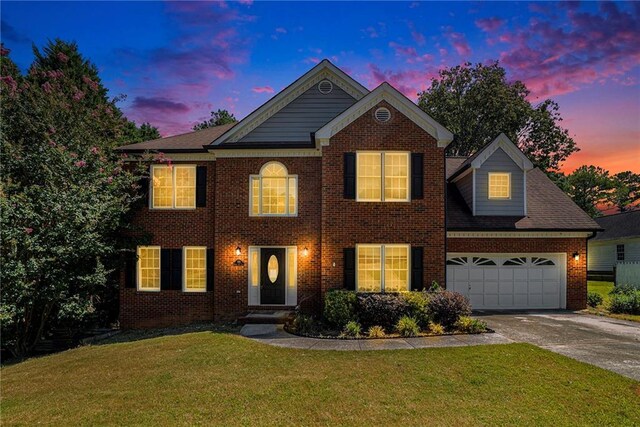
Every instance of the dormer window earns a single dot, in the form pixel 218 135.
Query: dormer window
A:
pixel 499 185
pixel 274 192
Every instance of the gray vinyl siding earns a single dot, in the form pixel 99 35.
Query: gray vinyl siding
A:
pixel 305 114
pixel 499 162
pixel 602 256
pixel 465 186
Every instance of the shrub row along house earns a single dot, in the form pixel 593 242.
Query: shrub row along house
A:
pixel 330 185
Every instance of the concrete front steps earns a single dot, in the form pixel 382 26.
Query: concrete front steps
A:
pixel 267 317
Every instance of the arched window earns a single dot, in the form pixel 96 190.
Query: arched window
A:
pixel 274 192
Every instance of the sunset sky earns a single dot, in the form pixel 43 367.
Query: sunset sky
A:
pixel 178 61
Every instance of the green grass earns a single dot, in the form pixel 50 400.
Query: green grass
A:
pixel 603 288
pixel 221 378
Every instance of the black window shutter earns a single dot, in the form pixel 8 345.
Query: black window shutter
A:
pixel 349 175
pixel 144 190
pixel 350 268
pixel 165 269
pixel 209 269
pixel 130 264
pixel 417 277
pixel 201 186
pixel 417 176
pixel 176 269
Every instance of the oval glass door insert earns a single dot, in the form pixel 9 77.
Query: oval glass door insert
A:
pixel 272 268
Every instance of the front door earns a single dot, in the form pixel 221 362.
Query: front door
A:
pixel 272 272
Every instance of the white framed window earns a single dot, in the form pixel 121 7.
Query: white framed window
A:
pixel 194 261
pixel 148 274
pixel 382 176
pixel 499 185
pixel 173 187
pixel 382 268
pixel 273 192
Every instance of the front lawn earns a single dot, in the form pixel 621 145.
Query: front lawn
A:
pixel 603 288
pixel 221 378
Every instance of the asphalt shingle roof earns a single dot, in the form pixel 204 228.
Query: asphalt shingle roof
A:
pixel 191 141
pixel 548 208
pixel 619 226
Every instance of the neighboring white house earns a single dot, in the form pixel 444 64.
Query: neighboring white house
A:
pixel 620 241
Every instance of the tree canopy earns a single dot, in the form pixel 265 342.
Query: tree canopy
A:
pixel 477 103
pixel 65 193
pixel 218 118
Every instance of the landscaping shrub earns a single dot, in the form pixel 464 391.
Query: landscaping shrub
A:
pixel 594 299
pixel 627 303
pixel 352 329
pixel 418 307
pixel 381 309
pixel 339 307
pixel 446 307
pixel 436 328
pixel 304 324
pixel 376 331
pixel 623 289
pixel 407 327
pixel 470 326
pixel 435 287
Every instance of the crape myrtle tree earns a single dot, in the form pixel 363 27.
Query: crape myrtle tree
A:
pixel 64 195
pixel 476 103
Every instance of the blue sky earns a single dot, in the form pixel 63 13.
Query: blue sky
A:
pixel 177 61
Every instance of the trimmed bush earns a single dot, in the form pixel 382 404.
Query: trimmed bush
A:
pixel 594 299
pixel 623 289
pixel 381 309
pixel 352 329
pixel 303 324
pixel 418 304
pixel 627 303
pixel 470 326
pixel 339 307
pixel 407 327
pixel 436 328
pixel 376 332
pixel 446 307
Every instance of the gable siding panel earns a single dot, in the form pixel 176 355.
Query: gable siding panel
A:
pixel 305 114
pixel 499 162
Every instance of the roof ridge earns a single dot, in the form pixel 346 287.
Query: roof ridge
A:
pixel 619 213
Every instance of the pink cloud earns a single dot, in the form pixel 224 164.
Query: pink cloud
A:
pixel 459 42
pixel 417 36
pixel 262 89
pixel 489 25
pixel 592 48
pixel 409 82
pixel 403 50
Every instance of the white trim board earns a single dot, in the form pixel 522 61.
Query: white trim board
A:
pixel 385 92
pixel 324 70
pixel 518 234
pixel 502 141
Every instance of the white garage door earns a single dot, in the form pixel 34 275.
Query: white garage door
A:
pixel 509 281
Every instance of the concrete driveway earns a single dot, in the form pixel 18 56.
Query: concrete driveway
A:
pixel 608 343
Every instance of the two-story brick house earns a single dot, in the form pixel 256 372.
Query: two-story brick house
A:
pixel 330 185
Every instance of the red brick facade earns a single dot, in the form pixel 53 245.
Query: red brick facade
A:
pixel 326 223
pixel 346 222
pixel 576 270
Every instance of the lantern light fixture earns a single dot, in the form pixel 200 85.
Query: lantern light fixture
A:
pixel 305 251
pixel 576 256
pixel 238 251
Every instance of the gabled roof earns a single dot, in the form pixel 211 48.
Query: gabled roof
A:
pixel 385 92
pixel 187 142
pixel 480 156
pixel 548 208
pixel 619 226
pixel 324 70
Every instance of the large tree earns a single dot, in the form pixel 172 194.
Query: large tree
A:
pixel 477 103
pixel 64 194
pixel 589 187
pixel 220 117
pixel 626 191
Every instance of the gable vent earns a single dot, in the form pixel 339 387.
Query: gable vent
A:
pixel 325 86
pixel 382 115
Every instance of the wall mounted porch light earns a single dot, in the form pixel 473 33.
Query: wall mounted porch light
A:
pixel 238 253
pixel 305 251
pixel 576 256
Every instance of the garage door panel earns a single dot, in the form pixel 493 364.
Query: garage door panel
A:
pixel 527 285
